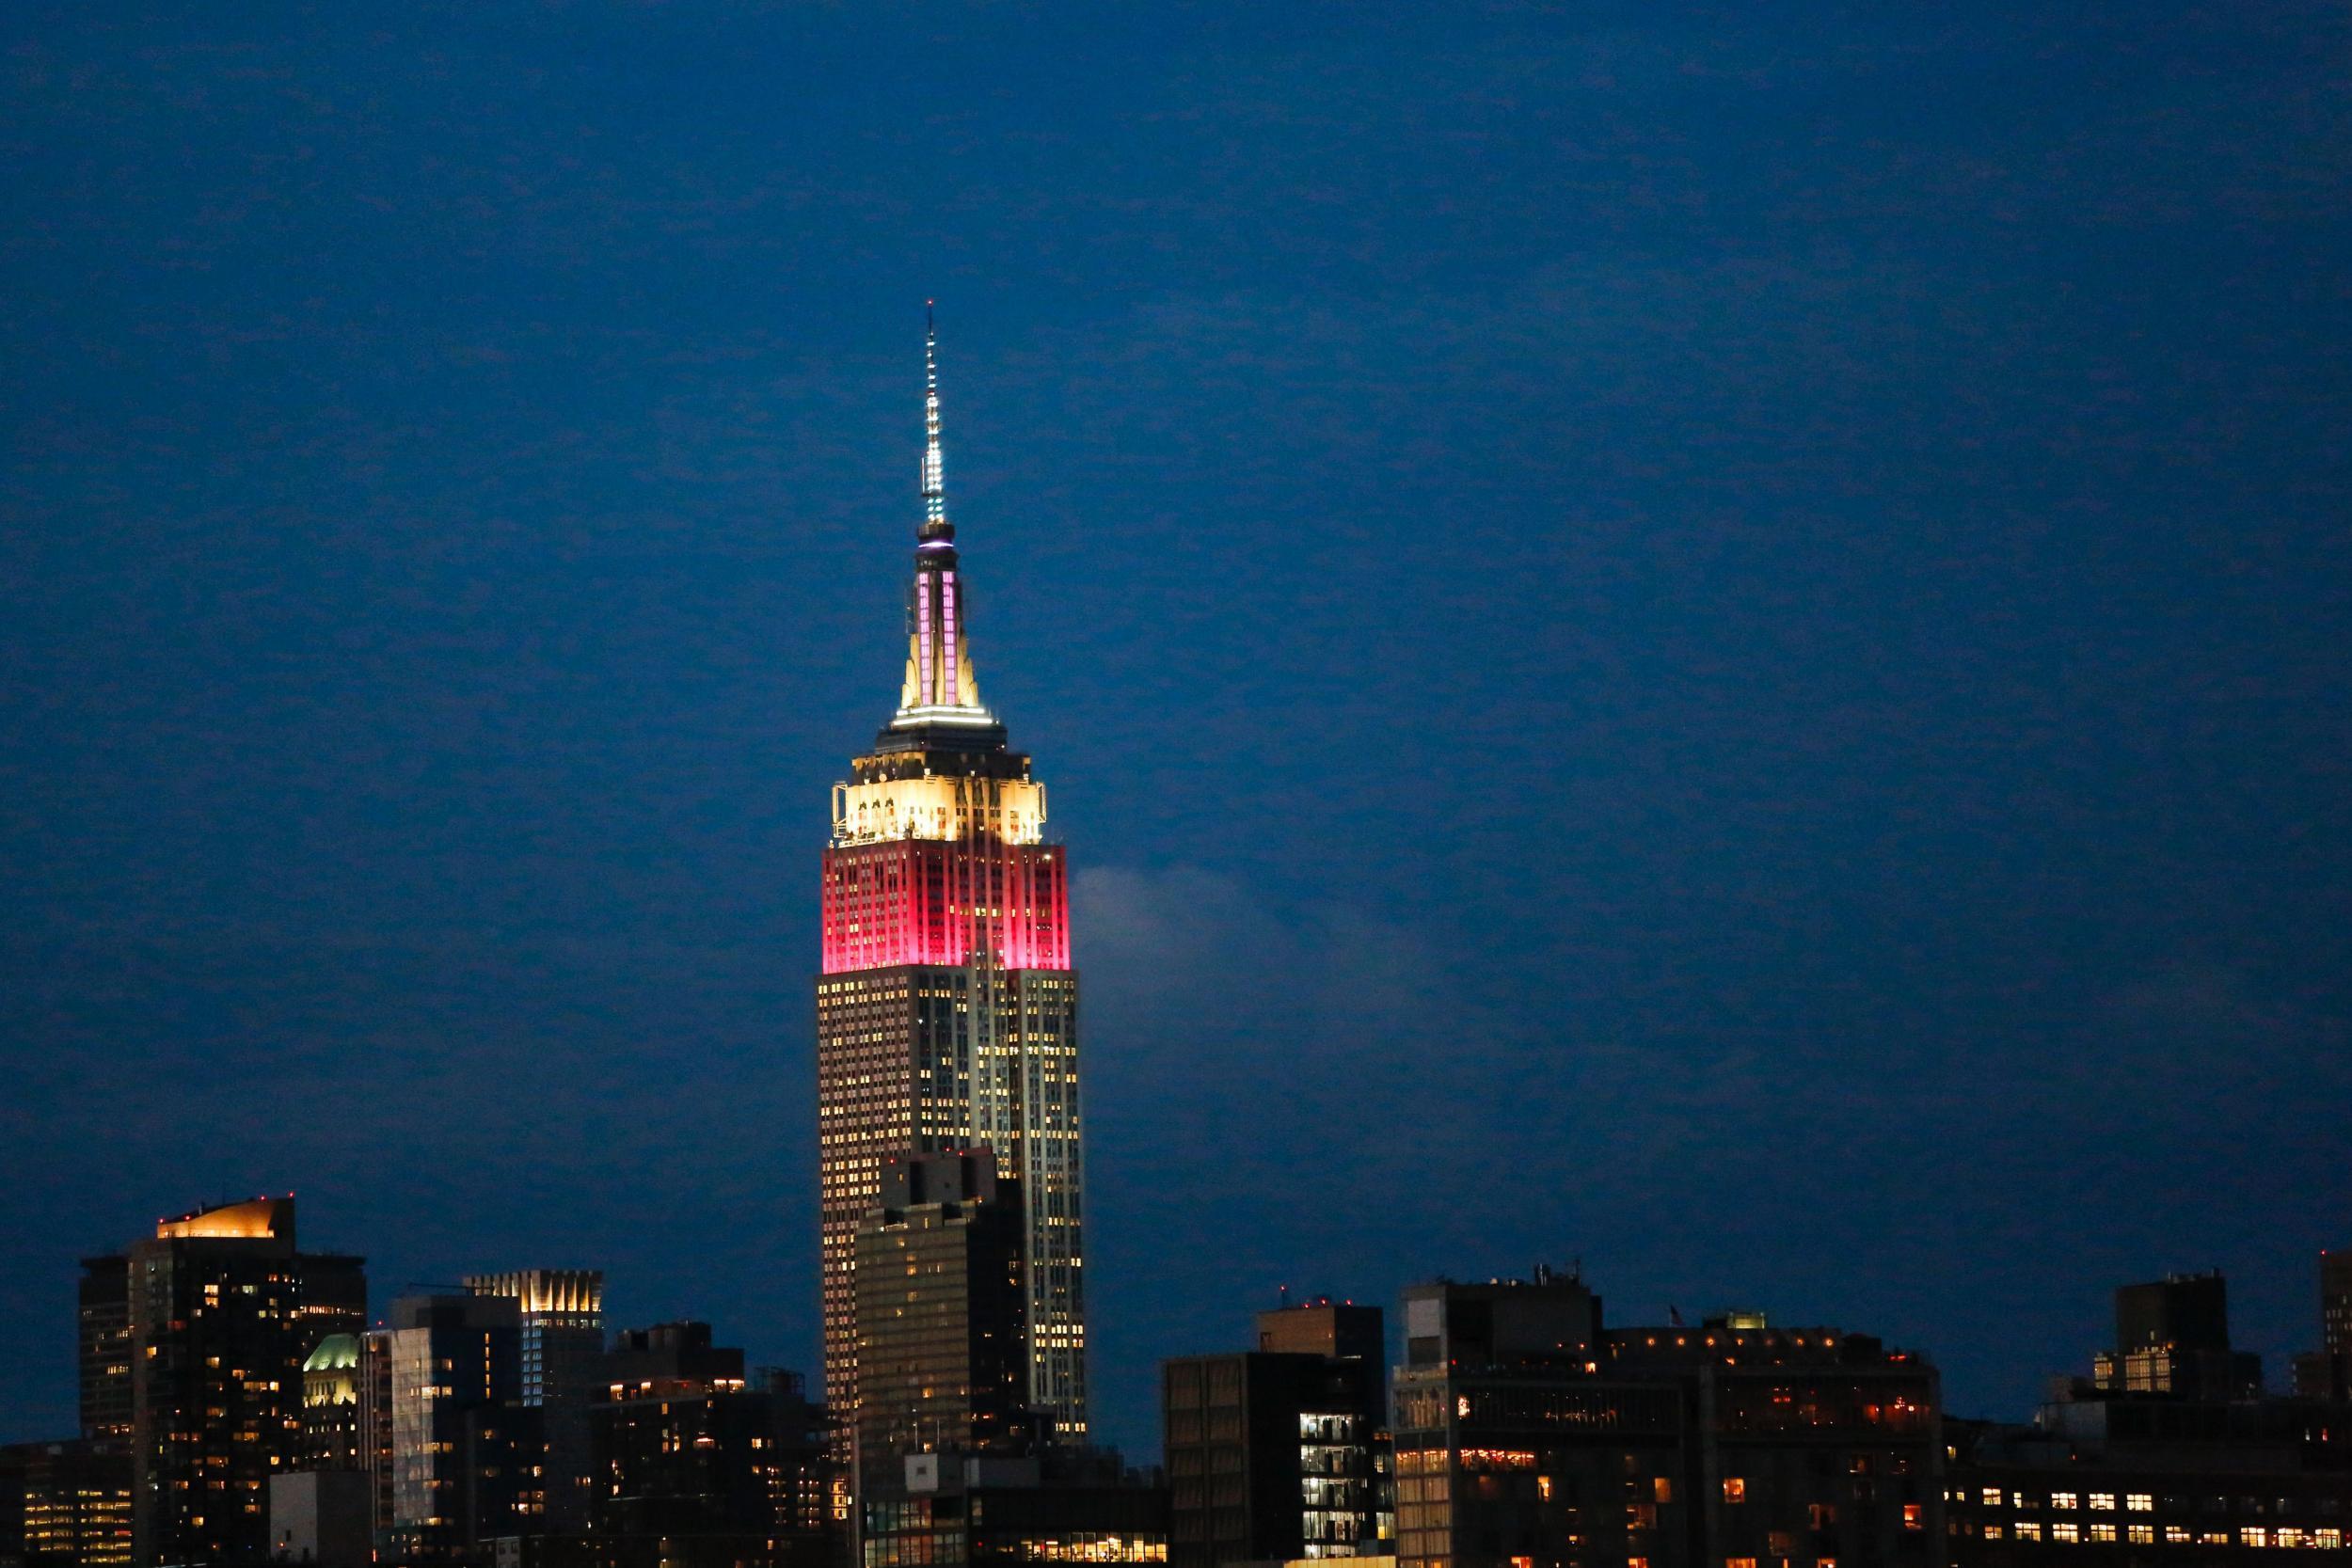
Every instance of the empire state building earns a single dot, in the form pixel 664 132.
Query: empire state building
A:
pixel 948 1011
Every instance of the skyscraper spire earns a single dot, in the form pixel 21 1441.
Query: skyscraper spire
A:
pixel 948 1013
pixel 940 688
pixel 935 524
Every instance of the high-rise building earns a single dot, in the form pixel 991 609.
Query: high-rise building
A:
pixel 334 1298
pixel 563 1328
pixel 1274 1456
pixel 2172 1337
pixel 219 1335
pixel 942 1330
pixel 1526 1436
pixel 2180 1459
pixel 65 1505
pixel 462 1472
pixel 1281 1454
pixel 330 1405
pixel 2326 1373
pixel 103 1329
pixel 697 1464
pixel 947 1011
pixel 2335 1302
pixel 563 1367
pixel 375 1426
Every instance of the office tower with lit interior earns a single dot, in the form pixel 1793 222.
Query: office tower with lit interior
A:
pixel 220 1323
pixel 467 1455
pixel 1280 1454
pixel 563 1367
pixel 2172 1338
pixel 942 1336
pixel 1530 1436
pixel 947 1011
pixel 65 1505
pixel 102 1324
pixel 698 1461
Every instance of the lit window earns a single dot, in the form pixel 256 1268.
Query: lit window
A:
pixel 1991 1533
pixel 2066 1529
pixel 2062 1499
pixel 2103 1532
pixel 1992 1496
pixel 2102 1500
pixel 2028 1531
pixel 2140 1502
pixel 1661 1489
pixel 1735 1491
pixel 1912 1518
pixel 2144 1535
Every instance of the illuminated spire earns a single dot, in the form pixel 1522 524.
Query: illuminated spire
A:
pixel 940 688
pixel 935 524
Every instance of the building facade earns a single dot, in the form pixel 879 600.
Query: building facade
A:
pixel 218 1333
pixel 941 1316
pixel 320 1518
pixel 1326 1327
pixel 696 1462
pixel 376 1425
pixel 946 1010
pixel 1273 1456
pixel 102 1330
pixel 1526 1436
pixel 2169 1452
pixel 2132 1479
pixel 1062 1506
pixel 2326 1373
pixel 465 1468
pixel 2172 1337
pixel 563 1366
pixel 65 1505
pixel 330 1405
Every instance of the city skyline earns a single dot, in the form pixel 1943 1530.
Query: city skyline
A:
pixel 1705 645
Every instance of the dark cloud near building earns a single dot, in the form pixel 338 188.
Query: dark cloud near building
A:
pixel 1700 640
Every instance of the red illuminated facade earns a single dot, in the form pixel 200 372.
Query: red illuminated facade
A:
pixel 947 1009
pixel 915 901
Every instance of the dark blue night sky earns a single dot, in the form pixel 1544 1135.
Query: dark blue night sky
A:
pixel 1710 639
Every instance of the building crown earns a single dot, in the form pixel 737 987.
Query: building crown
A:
pixel 940 698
